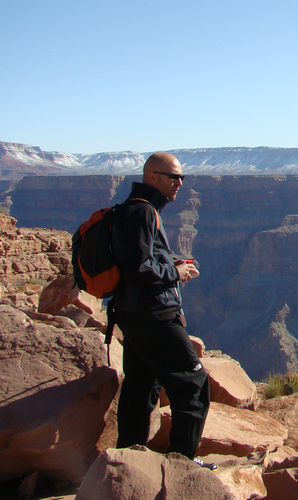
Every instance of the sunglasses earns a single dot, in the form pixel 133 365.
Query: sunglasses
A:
pixel 173 177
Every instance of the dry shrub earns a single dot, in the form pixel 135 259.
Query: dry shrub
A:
pixel 281 385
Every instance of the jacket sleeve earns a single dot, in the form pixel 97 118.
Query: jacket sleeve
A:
pixel 142 259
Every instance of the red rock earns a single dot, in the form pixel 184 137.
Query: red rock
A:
pixel 284 409
pixel 282 458
pixel 58 294
pixel 198 345
pixel 7 222
pixel 137 473
pixel 245 481
pixel 55 390
pixel 34 300
pixel 228 431
pixel 77 315
pixel 280 473
pixel 62 292
pixel 229 384
pixel 28 254
pixel 239 432
pixel 87 302
pixel 281 484
pixel 57 321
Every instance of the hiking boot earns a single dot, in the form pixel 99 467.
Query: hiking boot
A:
pixel 205 465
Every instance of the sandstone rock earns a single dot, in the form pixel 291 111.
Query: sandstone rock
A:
pixel 227 431
pixel 229 384
pixel 137 473
pixel 62 292
pixel 282 458
pixel 57 321
pixel 280 473
pixel 79 316
pixel 88 303
pixel 244 481
pixel 239 432
pixel 27 254
pixel 281 484
pixel 53 382
pixel 34 300
pixel 18 299
pixel 160 442
pixel 22 300
pixel 7 222
pixel 31 289
pixel 284 409
pixel 198 345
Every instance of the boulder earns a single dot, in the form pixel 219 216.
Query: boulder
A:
pixel 239 432
pixel 245 481
pixel 98 319
pixel 198 345
pixel 79 316
pixel 57 321
pixel 54 381
pixel 282 458
pixel 61 292
pixel 284 409
pixel 228 431
pixel 281 484
pixel 229 384
pixel 281 473
pixel 138 473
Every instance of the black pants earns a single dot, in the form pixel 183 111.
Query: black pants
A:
pixel 159 353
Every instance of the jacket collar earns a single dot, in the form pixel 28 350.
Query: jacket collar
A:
pixel 149 193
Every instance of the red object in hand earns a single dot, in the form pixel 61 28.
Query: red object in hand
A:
pixel 184 261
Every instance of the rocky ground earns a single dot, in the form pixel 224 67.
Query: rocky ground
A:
pixel 55 378
pixel 284 410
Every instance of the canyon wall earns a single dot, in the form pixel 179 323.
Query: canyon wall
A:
pixel 64 202
pixel 243 233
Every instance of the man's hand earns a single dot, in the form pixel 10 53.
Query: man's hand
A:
pixel 187 272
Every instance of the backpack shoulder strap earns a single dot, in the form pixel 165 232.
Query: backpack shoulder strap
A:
pixel 146 201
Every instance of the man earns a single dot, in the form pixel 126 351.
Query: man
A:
pixel 156 350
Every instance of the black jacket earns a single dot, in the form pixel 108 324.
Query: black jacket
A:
pixel 149 278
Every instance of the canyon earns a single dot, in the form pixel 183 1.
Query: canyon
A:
pixel 242 232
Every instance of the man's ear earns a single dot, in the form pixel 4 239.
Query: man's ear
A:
pixel 151 179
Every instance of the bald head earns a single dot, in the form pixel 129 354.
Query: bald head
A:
pixel 160 161
pixel 156 173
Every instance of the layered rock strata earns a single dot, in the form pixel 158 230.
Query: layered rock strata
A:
pixel 32 254
pixel 242 232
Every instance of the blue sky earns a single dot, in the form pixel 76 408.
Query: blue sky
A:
pixel 87 76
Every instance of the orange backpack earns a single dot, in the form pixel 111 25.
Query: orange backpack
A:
pixel 94 267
